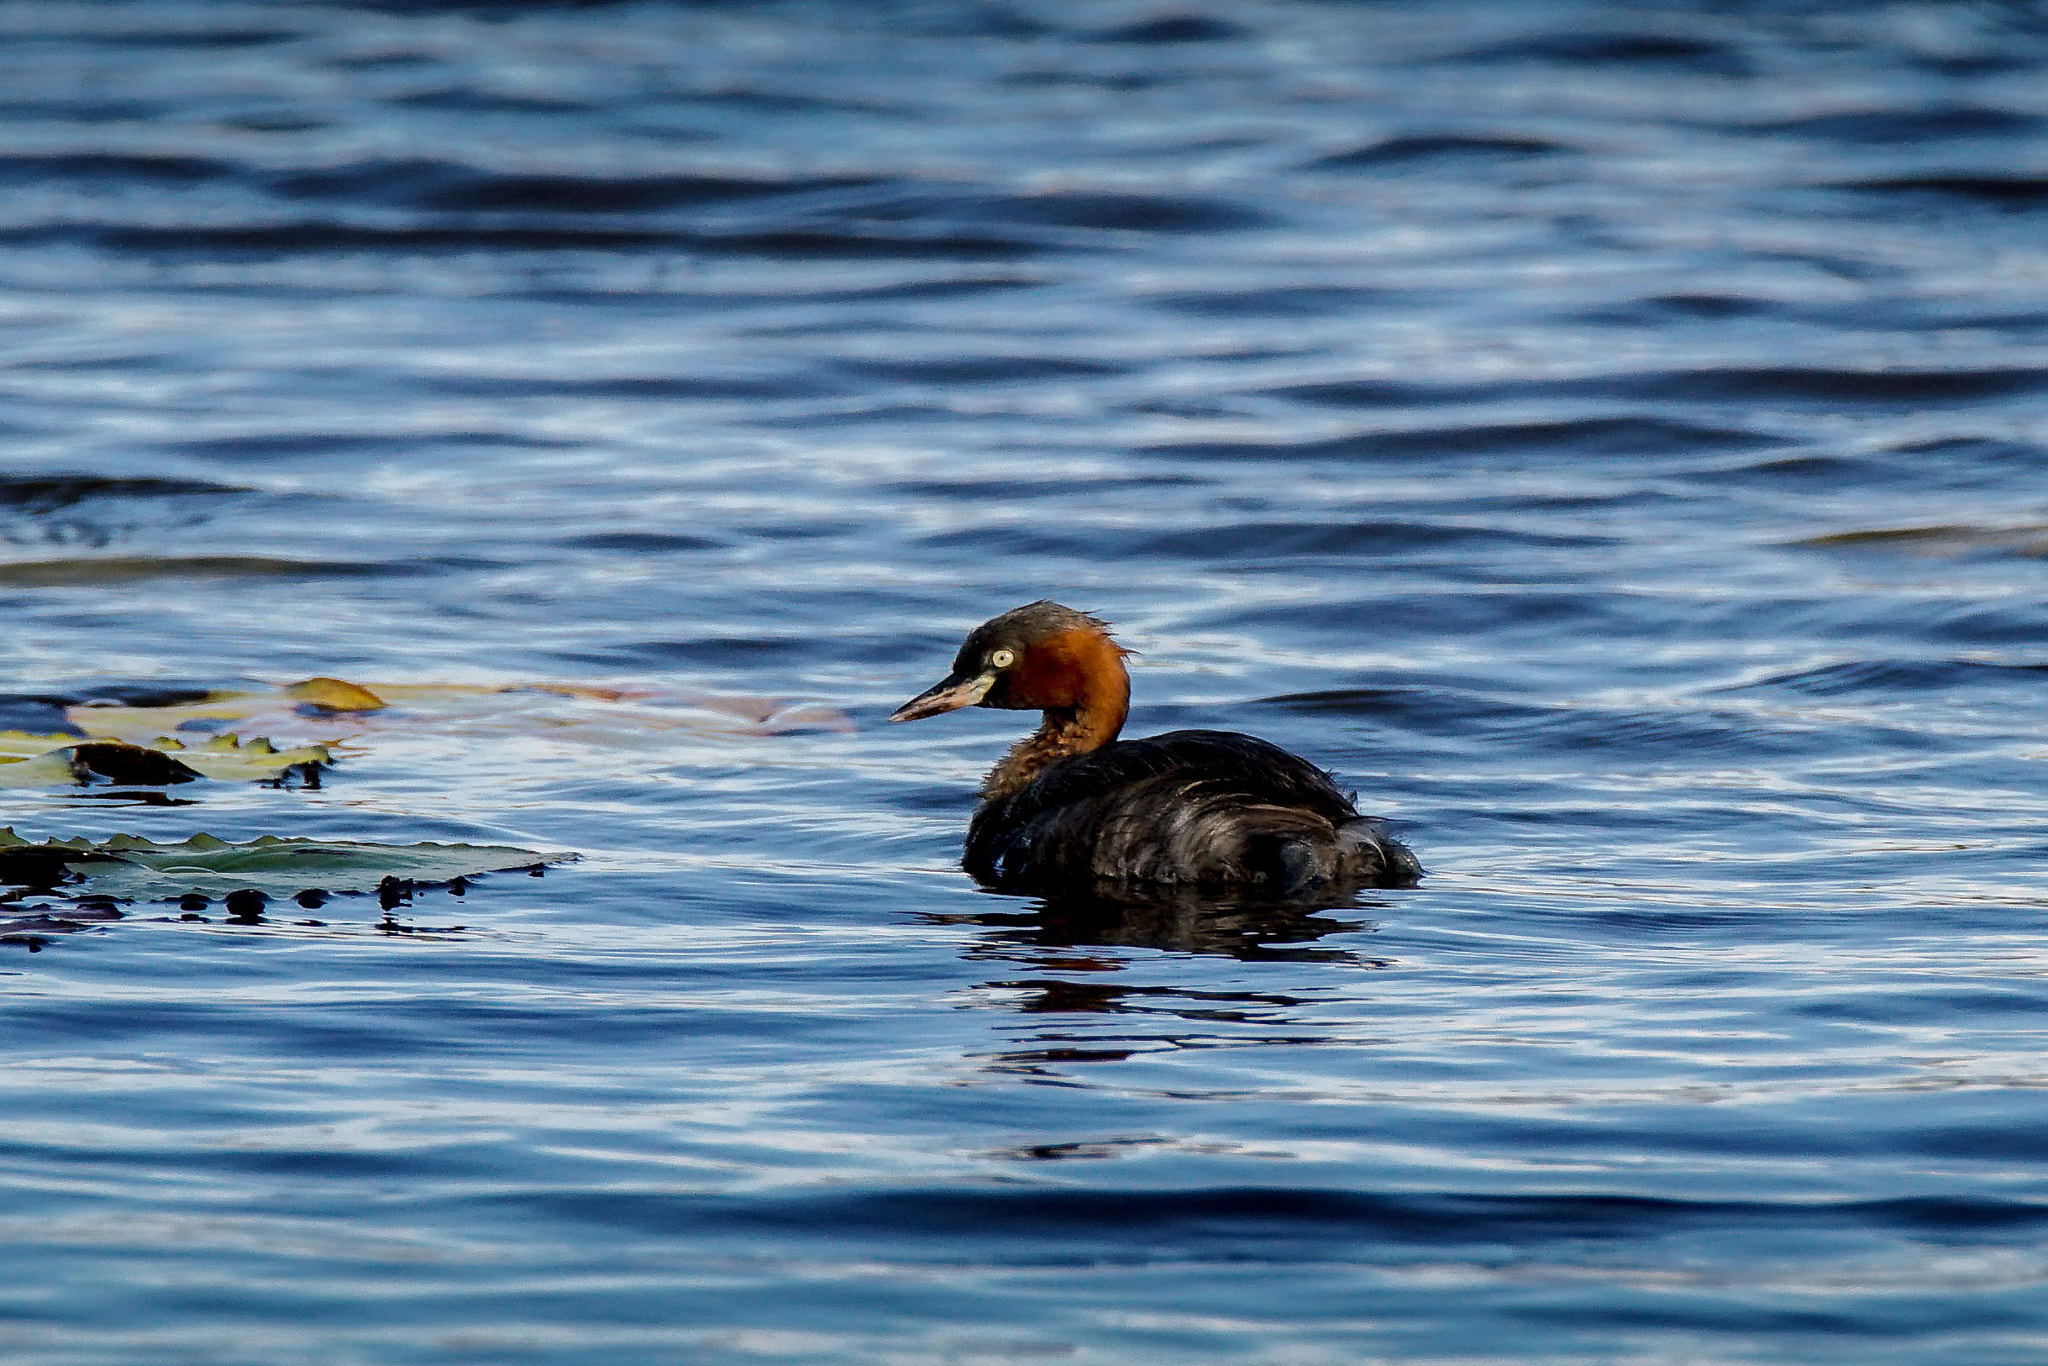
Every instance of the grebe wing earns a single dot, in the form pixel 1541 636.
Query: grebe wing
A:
pixel 1260 771
pixel 1185 807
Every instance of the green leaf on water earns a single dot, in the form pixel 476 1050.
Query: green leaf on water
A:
pixel 128 867
pixel 230 758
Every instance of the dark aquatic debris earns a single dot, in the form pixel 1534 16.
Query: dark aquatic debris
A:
pixel 40 495
pixel 101 570
pixel 59 760
pixel 130 868
pixel 40 867
pixel 1427 148
pixel 1170 28
pixel 2003 190
pixel 30 927
pixel 91 880
pixel 123 764
pixel 1945 541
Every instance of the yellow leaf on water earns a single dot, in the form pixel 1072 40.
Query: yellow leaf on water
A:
pixel 333 694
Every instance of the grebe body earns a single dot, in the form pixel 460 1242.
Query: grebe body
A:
pixel 1072 808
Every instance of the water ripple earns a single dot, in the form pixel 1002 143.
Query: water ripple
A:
pixel 1609 442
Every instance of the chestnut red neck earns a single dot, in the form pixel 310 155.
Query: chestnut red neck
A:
pixel 1078 680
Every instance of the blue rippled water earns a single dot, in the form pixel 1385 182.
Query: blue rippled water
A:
pixel 1614 440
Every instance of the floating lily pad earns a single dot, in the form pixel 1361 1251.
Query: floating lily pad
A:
pixel 158 737
pixel 128 867
pixel 326 710
pixel 229 758
pixel 63 760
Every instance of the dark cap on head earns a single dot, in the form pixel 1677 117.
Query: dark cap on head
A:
pixel 1020 627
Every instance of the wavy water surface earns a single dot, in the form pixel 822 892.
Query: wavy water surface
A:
pixel 1614 441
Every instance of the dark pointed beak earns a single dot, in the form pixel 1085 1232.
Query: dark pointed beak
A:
pixel 960 690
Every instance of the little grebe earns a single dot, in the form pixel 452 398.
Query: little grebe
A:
pixel 1073 807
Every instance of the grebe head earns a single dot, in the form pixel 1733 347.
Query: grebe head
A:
pixel 1040 657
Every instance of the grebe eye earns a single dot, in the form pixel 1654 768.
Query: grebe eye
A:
pixel 1002 659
